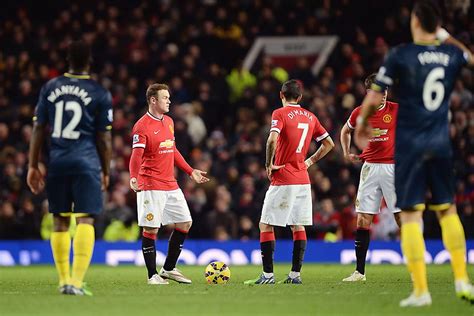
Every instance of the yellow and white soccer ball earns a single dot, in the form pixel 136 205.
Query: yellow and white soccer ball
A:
pixel 217 273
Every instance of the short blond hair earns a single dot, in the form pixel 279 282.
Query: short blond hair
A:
pixel 153 89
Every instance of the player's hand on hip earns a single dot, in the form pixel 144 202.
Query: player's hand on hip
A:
pixel 271 169
pixel 35 180
pixel 198 176
pixel 105 181
pixel 362 135
pixel 134 184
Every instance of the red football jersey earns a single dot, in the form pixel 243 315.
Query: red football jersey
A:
pixel 297 127
pixel 381 146
pixel 156 136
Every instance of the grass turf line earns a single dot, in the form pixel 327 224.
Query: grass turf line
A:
pixel 123 291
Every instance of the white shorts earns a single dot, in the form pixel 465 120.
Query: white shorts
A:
pixel 377 180
pixel 288 205
pixel 156 208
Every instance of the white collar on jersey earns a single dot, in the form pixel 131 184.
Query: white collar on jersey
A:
pixel 382 107
pixel 293 105
pixel 154 117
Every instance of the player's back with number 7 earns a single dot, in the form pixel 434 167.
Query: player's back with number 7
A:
pixel 296 127
pixel 288 201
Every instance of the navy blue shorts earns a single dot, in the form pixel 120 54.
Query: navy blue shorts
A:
pixel 79 193
pixel 415 176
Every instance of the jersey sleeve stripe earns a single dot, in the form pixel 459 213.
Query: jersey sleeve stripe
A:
pixel 275 129
pixel 138 145
pixel 320 138
pixel 350 125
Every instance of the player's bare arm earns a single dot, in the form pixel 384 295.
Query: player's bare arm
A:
pixel 270 154
pixel 135 161
pixel 445 37
pixel 35 178
pixel 104 148
pixel 327 145
pixel 363 129
pixel 346 137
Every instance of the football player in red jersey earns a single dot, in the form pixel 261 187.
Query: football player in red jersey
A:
pixel 159 199
pixel 288 200
pixel 377 174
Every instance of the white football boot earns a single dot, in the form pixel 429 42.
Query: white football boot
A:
pixel 156 280
pixel 464 290
pixel 416 301
pixel 174 275
pixel 356 276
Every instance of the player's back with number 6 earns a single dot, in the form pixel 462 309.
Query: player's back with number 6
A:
pixel 428 72
pixel 424 73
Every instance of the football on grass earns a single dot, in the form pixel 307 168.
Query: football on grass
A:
pixel 217 273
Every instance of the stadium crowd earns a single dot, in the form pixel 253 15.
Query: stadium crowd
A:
pixel 221 111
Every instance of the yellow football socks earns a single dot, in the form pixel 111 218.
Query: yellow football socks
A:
pixel 61 247
pixel 413 247
pixel 83 248
pixel 455 242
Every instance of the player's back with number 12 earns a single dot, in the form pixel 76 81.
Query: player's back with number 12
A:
pixel 78 112
pixel 76 107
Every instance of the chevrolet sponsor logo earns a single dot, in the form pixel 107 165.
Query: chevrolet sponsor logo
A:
pixel 377 132
pixel 167 144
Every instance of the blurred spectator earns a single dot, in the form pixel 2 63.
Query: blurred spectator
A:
pixel 10 227
pixel 384 226
pixel 222 112
pixel 247 230
pixel 221 221
pixel 238 80
pixel 327 222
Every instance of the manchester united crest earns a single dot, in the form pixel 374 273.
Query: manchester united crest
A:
pixel 149 217
pixel 171 129
pixel 387 118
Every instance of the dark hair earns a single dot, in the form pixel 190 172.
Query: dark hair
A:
pixel 79 55
pixel 153 89
pixel 369 80
pixel 429 15
pixel 292 89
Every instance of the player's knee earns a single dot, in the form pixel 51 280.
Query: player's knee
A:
pixel 297 228
pixel 186 226
pixel 85 220
pixel 411 216
pixel 450 211
pixel 61 223
pixel 151 230
pixel 265 227
pixel 364 220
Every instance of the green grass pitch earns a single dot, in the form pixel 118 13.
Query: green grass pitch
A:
pixel 123 291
